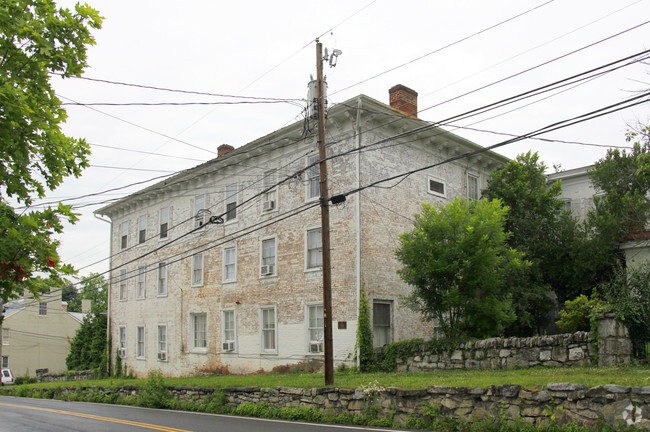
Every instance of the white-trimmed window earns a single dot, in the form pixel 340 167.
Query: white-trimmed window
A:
pixel 124 235
pixel 382 333
pixel 231 202
pixel 140 342
pixel 568 204
pixel 121 347
pixel 142 229
pixel 197 269
pixel 270 199
pixel 229 333
pixel 269 329
pixel 315 327
pixel 230 264
pixel 313 178
pixel 5 362
pixel 199 210
pixel 436 187
pixel 141 282
pixel 162 279
pixel 123 291
pixel 5 336
pixel 164 223
pixel 162 342
pixel 198 327
pixel 473 190
pixel 42 308
pixel 268 264
pixel 314 249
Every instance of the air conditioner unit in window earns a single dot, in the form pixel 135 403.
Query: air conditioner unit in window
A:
pixel 316 347
pixel 121 352
pixel 162 356
pixel 268 205
pixel 228 346
pixel 268 270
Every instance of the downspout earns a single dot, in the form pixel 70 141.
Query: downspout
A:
pixel 357 210
pixel 108 295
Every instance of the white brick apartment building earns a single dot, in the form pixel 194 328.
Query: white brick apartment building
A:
pixel 247 294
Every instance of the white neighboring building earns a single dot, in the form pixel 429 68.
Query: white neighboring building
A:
pixel 577 190
pixel 247 294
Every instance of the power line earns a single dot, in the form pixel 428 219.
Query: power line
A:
pixel 125 104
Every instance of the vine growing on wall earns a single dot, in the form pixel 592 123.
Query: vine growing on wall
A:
pixel 364 334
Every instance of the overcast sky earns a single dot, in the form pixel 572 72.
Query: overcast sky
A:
pixel 266 49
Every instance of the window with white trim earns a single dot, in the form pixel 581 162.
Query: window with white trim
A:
pixel 121 344
pixel 164 223
pixel 199 210
pixel 140 282
pixel 162 279
pixel 437 187
pixel 315 328
pixel 197 269
pixel 123 291
pixel 142 229
pixel 269 329
pixel 314 252
pixel 198 326
pixel 313 178
pixel 268 257
pixel 140 342
pixel 162 342
pixel 229 333
pixel 230 264
pixel 42 308
pixel 473 190
pixel 124 235
pixel 269 200
pixel 5 362
pixel 5 336
pixel 568 204
pixel 382 333
pixel 231 202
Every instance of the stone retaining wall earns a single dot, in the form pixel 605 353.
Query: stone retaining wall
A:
pixel 611 404
pixel 67 376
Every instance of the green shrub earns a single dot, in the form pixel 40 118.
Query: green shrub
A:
pixel 579 314
pixel 154 393
pixel 364 335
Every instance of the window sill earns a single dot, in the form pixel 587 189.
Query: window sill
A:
pixel 123 300
pixel 198 350
pixel 140 358
pixel 140 298
pixel 269 353
pixel 229 282
pixel 313 269
pixel 161 295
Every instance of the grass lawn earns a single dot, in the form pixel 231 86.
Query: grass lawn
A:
pixel 534 378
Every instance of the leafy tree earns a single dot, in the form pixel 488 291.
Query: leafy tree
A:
pixel 36 40
pixel 94 288
pixel 458 261
pixel 364 334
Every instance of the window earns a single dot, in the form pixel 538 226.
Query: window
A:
pixel 268 264
pixel 139 347
pixel 313 178
pixel 197 269
pixel 42 308
pixel 473 193
pixel 122 342
pixel 162 342
pixel 198 326
pixel 162 279
pixel 269 334
pixel 5 362
pixel 123 292
pixel 269 200
pixel 381 329
pixel 124 234
pixel 140 282
pixel 199 210
pixel 5 336
pixel 164 223
pixel 228 330
pixel 231 202
pixel 436 187
pixel 314 258
pixel 316 329
pixel 568 204
pixel 142 229
pixel 229 264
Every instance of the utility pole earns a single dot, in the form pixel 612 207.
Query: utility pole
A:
pixel 325 221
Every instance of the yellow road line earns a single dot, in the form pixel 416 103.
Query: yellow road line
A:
pixel 94 417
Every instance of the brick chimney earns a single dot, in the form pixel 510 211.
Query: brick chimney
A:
pixel 404 99
pixel 64 305
pixel 224 149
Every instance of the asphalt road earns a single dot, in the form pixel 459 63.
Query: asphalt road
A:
pixel 37 415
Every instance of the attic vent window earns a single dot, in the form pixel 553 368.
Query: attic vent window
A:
pixel 436 187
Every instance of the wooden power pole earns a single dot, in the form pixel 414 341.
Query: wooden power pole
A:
pixel 325 221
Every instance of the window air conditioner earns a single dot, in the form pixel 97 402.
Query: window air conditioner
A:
pixel 162 356
pixel 121 352
pixel 228 346
pixel 268 205
pixel 268 269
pixel 316 347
